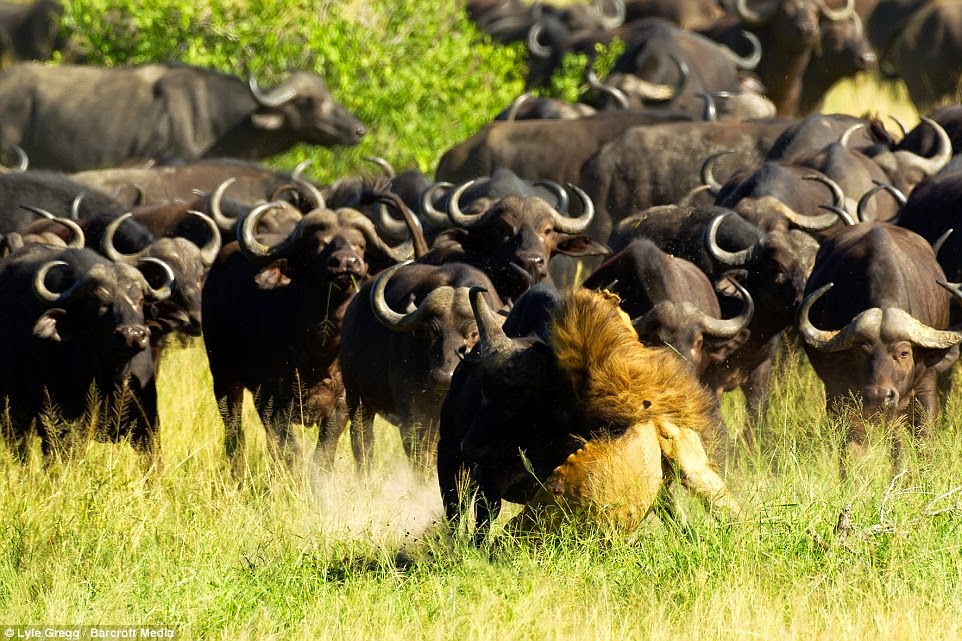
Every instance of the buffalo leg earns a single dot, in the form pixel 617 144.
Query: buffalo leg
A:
pixel 230 403
pixel 756 398
pixel 362 437
pixel 683 447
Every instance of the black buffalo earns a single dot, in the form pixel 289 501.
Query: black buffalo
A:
pixel 272 319
pixel 76 347
pixel 112 115
pixel 403 336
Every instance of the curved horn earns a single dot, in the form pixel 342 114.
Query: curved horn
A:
pixel 107 244
pixel 491 336
pixel 273 99
pixel 838 196
pixel 163 292
pixel 710 113
pixel 647 322
pixel 412 225
pixel 460 219
pixel 654 92
pixel 47 296
pixel 692 194
pixel 252 249
pixel 749 62
pixel 836 16
pixel 390 318
pixel 723 255
pixel 560 195
pixel 22 161
pixel 301 166
pixel 77 238
pixel 383 164
pixel 753 17
pixel 313 192
pixel 930 166
pixel 537 49
pixel 225 223
pixel 729 328
pixel 616 20
pixel 708 172
pixel 75 205
pixel 575 225
pixel 437 219
pixel 516 104
pixel 843 215
pixel 844 138
pixel 616 95
pixel 823 340
pixel 208 253
pixel 802 221
pixel 940 241
pixel 867 196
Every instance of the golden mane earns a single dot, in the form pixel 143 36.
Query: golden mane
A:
pixel 619 381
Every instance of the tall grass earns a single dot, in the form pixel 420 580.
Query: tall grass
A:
pixel 281 555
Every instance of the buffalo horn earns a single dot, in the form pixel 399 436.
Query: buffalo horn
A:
pixel 383 164
pixel 560 195
pixel 900 125
pixel 749 62
pixel 723 255
pixel 803 221
pixel 77 238
pixel 163 292
pixel 655 92
pixel 252 249
pixel 837 16
pixel 930 166
pixel 867 196
pixel 437 219
pixel 467 221
pixel 22 161
pixel 516 104
pixel 107 244
pixel 616 95
pixel 708 172
pixel 847 134
pixel 47 296
pixel 275 98
pixel 301 166
pixel 312 191
pixel 575 225
pixel 753 16
pixel 436 299
pixel 728 328
pixel 843 215
pixel 225 223
pixel 710 113
pixel 838 196
pixel 612 21
pixel 940 241
pixel 491 336
pixel 75 205
pixel 208 253
pixel 537 49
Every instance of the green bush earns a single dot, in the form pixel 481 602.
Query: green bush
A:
pixel 416 72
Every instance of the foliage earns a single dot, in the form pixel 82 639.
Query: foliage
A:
pixel 415 71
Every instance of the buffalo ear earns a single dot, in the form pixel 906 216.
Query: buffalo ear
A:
pixel 722 348
pixel 53 325
pixel 940 359
pixel 580 246
pixel 274 275
pixel 268 121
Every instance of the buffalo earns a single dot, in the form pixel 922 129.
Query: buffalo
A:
pixel 115 114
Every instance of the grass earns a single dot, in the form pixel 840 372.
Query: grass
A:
pixel 289 556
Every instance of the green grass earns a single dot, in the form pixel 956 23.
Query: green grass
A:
pixel 281 555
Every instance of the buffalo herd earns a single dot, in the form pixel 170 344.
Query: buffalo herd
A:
pixel 573 289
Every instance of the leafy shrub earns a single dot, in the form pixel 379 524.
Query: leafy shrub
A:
pixel 416 72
